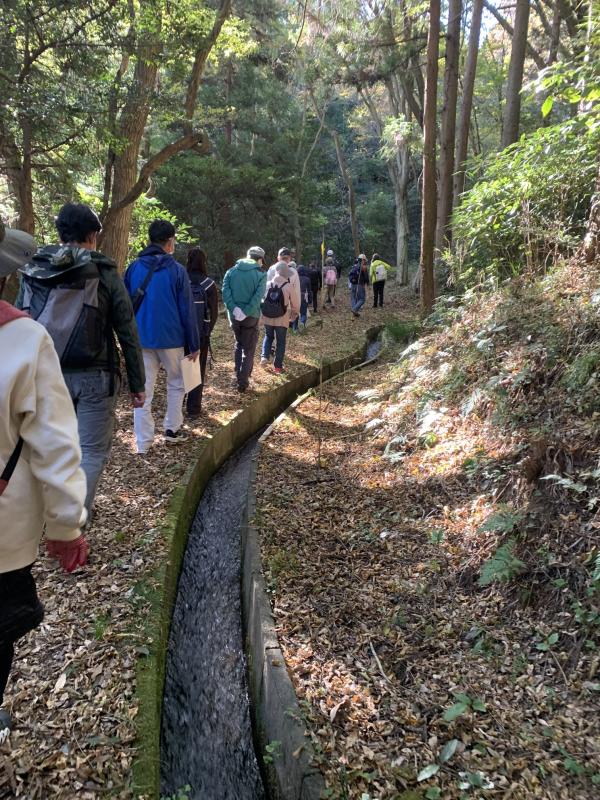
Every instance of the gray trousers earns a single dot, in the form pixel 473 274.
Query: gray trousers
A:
pixel 246 337
pixel 95 410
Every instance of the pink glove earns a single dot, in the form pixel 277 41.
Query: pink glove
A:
pixel 71 554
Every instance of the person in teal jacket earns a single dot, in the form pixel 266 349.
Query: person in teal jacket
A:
pixel 378 273
pixel 243 289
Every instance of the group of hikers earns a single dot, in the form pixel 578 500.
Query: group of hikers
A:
pixel 60 373
pixel 281 298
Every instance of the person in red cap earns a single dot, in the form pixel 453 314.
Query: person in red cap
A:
pixel 41 481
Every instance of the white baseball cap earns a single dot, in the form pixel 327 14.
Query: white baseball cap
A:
pixel 330 252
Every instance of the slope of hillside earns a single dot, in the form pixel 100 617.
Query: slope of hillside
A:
pixel 437 580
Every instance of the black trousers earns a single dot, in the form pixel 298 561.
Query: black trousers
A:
pixel 378 293
pixel 194 398
pixel 20 612
pixel 315 298
pixel 246 337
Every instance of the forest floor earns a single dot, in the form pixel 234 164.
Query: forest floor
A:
pixel 429 530
pixel 72 689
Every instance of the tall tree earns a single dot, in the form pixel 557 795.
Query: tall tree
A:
pixel 429 204
pixel 397 159
pixel 512 110
pixel 49 63
pixel 444 233
pixel 128 181
pixel 344 172
pixel 464 121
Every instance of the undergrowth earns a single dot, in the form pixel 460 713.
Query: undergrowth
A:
pixel 520 368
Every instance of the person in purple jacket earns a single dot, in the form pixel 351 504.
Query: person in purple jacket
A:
pixel 161 294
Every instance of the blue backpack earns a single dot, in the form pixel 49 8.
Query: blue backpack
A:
pixel 199 295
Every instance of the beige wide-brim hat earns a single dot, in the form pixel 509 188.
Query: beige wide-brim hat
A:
pixel 16 249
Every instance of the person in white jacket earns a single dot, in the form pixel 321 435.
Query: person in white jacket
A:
pixel 284 256
pixel 41 481
pixel 279 306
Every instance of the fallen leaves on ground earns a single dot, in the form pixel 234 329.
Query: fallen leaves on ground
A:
pixel 72 689
pixel 375 504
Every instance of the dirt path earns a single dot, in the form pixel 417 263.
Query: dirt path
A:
pixel 402 662
pixel 72 690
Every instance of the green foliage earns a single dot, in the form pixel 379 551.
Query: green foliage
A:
pixel 548 642
pixel 272 751
pixel 464 703
pixel 181 794
pixel 582 378
pixel 282 563
pixel 398 132
pixel 530 206
pixel 402 331
pixel 503 565
pixel 504 520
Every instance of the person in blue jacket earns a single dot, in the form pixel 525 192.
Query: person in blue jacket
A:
pixel 161 294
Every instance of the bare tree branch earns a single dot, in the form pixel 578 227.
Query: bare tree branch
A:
pixel 200 59
pixel 32 57
pixel 197 140
pixel 531 52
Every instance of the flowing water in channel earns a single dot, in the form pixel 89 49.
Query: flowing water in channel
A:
pixel 206 729
pixel 206 740
pixel 373 348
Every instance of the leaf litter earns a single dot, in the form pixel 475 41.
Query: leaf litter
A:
pixel 72 691
pixel 417 679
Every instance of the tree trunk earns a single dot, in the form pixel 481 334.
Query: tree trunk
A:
pixel 26 221
pixel 228 88
pixel 512 111
pixel 533 54
pixel 127 184
pixel 398 172
pixel 350 186
pixel 18 174
pixel 402 226
pixel 429 205
pixel 464 121
pixel 591 243
pixel 297 233
pixel 554 36
pixel 200 58
pixel 132 123
pixel 343 171
pixel 444 232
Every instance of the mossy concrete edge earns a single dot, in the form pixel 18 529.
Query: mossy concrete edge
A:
pixel 281 736
pixel 162 588
pixel 280 731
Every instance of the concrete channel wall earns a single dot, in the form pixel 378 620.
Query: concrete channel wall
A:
pixel 212 453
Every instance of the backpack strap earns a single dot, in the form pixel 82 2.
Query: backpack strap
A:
pixel 11 465
pixel 140 292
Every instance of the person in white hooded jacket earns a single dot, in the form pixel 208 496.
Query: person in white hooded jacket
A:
pixel 279 306
pixel 41 481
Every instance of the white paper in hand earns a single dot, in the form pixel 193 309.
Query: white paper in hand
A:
pixel 190 371
pixel 238 314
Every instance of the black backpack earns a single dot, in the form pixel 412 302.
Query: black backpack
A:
pixel 201 306
pixel 354 274
pixel 273 305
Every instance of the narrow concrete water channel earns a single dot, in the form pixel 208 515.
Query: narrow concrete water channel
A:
pixel 206 740
pixel 206 736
